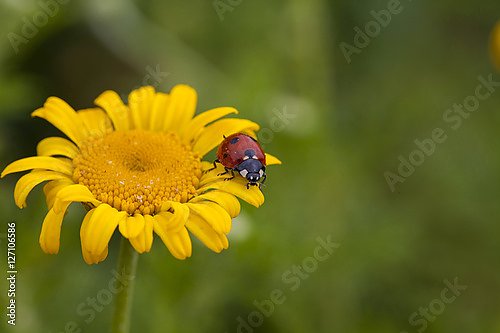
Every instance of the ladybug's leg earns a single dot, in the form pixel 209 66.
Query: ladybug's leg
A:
pixel 225 172
pixel 231 171
pixel 263 179
pixel 215 166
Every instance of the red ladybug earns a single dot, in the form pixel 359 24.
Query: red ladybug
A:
pixel 242 153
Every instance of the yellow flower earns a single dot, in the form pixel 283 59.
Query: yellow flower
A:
pixel 495 45
pixel 138 168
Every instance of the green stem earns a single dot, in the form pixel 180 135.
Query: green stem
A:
pixel 127 266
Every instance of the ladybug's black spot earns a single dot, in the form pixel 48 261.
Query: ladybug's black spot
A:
pixel 250 153
pixel 234 140
pixel 225 155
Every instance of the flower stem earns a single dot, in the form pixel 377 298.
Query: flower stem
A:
pixel 127 266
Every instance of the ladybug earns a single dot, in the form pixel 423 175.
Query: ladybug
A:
pixel 243 154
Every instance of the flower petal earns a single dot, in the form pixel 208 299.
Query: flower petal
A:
pixel 61 115
pixel 140 102
pixel 39 162
pixel 178 243
pixel 216 216
pixel 212 135
pixel 74 193
pixel 169 221
pixel 180 108
pixel 224 199
pixel 87 256
pixel 51 230
pixel 117 111
pixel 56 146
pixel 159 111
pixel 206 234
pixel 27 182
pixel 98 230
pixel 271 160
pixel 495 45
pixel 52 188
pixel 95 121
pixel 175 213
pixel 194 127
pixel 132 226
pixel 237 187
pixel 142 243
pixel 102 256
pixel 214 175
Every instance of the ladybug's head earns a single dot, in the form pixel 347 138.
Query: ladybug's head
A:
pixel 252 170
pixel 253 177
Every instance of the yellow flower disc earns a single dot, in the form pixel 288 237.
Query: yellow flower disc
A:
pixel 136 171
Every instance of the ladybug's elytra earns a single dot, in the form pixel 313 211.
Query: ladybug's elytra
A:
pixel 241 153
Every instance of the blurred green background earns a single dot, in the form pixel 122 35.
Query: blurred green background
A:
pixel 351 122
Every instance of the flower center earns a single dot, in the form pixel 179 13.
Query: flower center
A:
pixel 136 171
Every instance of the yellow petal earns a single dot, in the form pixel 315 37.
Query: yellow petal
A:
pixel 27 182
pixel 158 111
pixel 216 216
pixel 206 234
pixel 213 175
pixel 56 146
pixel 75 192
pixel 95 121
pixel 193 128
pixel 224 199
pixel 103 255
pixel 271 160
pixel 495 45
pixel 142 243
pixel 172 222
pixel 61 115
pixel 212 135
pixel 140 102
pixel 131 226
pixel 175 213
pixel 51 230
pixel 117 111
pixel 83 229
pixel 205 165
pixel 52 188
pixel 237 187
pixel 99 228
pixel 178 243
pixel 180 108
pixel 87 256
pixel 40 162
